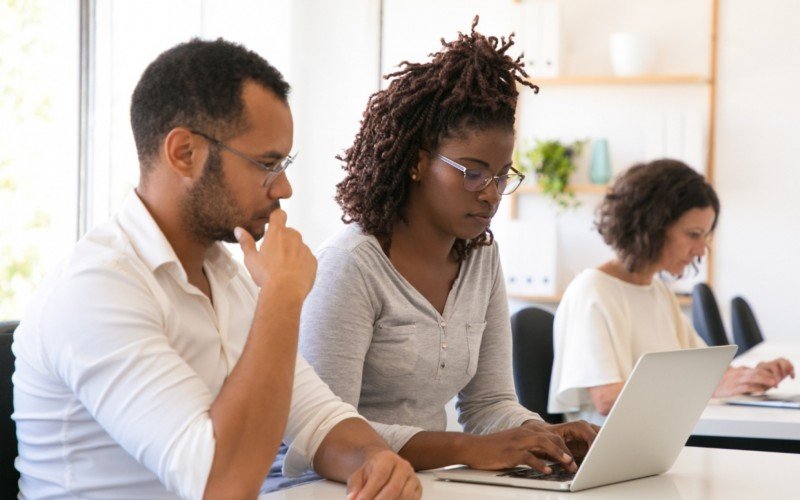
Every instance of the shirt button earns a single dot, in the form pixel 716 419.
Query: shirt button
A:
pixel 442 324
pixel 442 365
pixel 444 346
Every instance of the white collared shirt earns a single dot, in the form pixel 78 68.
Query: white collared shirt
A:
pixel 119 359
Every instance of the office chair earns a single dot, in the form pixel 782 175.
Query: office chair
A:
pixel 9 477
pixel 746 332
pixel 532 339
pixel 705 316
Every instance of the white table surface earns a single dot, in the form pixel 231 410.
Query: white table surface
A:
pixel 722 420
pixel 699 473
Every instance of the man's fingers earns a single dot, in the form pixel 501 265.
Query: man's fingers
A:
pixel 277 220
pixel 374 480
pixel 246 241
pixel 412 490
pixel 392 487
pixel 354 483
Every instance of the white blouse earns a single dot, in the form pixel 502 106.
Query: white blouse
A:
pixel 602 326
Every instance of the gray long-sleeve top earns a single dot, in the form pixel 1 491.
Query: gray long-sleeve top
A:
pixel 382 347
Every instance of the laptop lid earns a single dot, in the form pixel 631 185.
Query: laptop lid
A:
pixel 654 415
pixel 646 429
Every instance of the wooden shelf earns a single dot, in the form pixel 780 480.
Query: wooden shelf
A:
pixel 542 299
pixel 683 300
pixel 622 80
pixel 575 188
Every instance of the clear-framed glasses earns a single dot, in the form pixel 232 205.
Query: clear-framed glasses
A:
pixel 272 171
pixel 476 179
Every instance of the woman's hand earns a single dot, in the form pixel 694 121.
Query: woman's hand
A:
pixel 578 435
pixel 744 380
pixel 513 447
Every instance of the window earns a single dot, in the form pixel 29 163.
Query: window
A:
pixel 39 71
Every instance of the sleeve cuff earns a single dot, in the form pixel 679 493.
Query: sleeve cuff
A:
pixel 300 456
pixel 395 435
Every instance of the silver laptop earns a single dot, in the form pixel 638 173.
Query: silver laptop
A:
pixel 645 430
pixel 771 400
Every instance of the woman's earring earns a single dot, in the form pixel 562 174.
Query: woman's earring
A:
pixel 413 177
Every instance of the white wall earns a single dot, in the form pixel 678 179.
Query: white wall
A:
pixel 757 170
pixel 334 71
pixel 756 174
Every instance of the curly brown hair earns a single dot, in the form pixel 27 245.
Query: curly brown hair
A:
pixel 470 84
pixel 643 202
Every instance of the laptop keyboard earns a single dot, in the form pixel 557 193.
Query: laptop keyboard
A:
pixel 559 474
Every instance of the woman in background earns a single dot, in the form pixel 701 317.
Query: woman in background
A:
pixel 658 218
pixel 409 307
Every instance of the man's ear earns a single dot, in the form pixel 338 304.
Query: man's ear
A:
pixel 185 153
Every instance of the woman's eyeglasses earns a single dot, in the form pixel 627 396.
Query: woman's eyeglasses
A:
pixel 476 179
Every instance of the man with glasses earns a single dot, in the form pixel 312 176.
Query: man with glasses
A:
pixel 152 364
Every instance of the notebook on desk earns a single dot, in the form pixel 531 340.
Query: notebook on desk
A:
pixel 645 431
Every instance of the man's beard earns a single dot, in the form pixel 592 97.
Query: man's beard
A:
pixel 209 211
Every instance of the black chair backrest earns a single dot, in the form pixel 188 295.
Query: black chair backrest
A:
pixel 532 334
pixel 746 332
pixel 9 477
pixel 705 316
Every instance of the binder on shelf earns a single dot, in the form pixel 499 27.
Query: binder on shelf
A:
pixel 528 254
pixel 680 135
pixel 540 35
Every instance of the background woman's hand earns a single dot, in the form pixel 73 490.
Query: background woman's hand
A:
pixel 743 380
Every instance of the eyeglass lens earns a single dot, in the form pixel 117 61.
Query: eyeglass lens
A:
pixel 477 180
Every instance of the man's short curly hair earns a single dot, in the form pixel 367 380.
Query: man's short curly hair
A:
pixel 643 202
pixel 197 85
pixel 470 84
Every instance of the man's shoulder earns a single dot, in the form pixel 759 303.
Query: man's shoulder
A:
pixel 104 247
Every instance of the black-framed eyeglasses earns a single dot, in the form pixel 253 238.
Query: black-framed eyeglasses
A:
pixel 273 171
pixel 476 179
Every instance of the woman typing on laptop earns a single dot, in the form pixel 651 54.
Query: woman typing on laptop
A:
pixel 409 308
pixel 658 218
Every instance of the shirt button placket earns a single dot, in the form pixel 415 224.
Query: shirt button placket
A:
pixel 442 344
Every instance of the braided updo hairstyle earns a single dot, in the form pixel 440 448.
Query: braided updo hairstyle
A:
pixel 470 84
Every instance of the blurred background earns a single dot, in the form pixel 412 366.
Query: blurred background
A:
pixel 711 82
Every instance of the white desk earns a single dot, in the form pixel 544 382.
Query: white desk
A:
pixel 753 427
pixel 699 473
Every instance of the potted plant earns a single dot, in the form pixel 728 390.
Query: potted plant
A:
pixel 553 163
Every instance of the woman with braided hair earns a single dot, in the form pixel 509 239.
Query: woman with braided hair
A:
pixel 409 307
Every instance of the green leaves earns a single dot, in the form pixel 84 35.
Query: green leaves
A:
pixel 553 163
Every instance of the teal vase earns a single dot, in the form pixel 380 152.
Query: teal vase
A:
pixel 600 167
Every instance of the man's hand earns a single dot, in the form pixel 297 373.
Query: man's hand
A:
pixel 283 262
pixel 578 435
pixel 744 380
pixel 384 475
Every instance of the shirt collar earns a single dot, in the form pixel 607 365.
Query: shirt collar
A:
pixel 154 249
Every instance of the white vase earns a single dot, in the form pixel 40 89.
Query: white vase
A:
pixel 632 54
